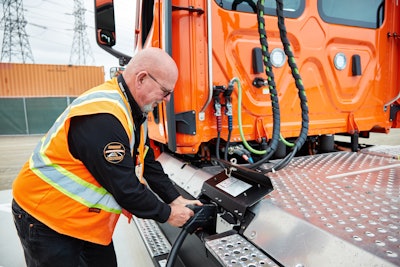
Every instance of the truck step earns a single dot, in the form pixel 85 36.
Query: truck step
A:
pixel 234 250
pixel 154 239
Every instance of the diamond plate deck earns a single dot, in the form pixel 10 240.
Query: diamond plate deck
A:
pixel 337 209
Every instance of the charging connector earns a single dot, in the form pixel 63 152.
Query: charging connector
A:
pixel 204 216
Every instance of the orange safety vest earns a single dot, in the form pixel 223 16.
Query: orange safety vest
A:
pixel 57 189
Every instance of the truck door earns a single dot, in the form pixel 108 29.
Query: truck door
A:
pixel 178 26
pixel 189 49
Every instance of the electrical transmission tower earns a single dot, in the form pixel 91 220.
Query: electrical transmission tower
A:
pixel 81 52
pixel 16 47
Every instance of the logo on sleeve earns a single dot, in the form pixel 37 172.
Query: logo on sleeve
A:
pixel 114 152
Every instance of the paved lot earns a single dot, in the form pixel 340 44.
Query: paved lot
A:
pixel 15 150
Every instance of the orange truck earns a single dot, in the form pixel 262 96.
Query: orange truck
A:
pixel 264 87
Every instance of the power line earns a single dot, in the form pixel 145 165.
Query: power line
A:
pixel 16 47
pixel 58 3
pixel 43 15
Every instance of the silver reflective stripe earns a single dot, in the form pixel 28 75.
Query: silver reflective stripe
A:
pixel 65 181
pixel 132 143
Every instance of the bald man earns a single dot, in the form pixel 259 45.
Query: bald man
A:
pixel 89 168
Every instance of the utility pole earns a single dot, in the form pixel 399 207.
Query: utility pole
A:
pixel 16 47
pixel 81 52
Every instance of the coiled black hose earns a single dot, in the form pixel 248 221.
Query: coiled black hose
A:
pixel 299 85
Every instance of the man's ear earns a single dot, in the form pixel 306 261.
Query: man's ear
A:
pixel 140 77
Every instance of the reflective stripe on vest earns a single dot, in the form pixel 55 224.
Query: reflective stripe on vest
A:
pixel 68 183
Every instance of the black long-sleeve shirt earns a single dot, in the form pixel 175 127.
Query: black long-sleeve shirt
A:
pixel 87 138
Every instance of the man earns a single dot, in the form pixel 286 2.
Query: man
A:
pixel 81 176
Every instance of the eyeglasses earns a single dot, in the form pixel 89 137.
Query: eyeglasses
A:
pixel 165 90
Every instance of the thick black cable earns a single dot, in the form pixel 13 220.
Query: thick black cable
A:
pixel 175 248
pixel 273 145
pixel 296 75
pixel 299 85
pixel 273 92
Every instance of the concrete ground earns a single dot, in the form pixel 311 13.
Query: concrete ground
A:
pixel 14 152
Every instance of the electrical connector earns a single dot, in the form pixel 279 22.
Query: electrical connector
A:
pixel 203 215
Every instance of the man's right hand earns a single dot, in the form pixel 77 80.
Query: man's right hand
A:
pixel 179 215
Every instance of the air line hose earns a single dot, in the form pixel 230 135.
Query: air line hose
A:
pixel 287 143
pixel 230 126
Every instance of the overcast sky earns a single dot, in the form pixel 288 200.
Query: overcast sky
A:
pixel 50 29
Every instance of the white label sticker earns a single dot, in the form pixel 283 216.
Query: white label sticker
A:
pixel 233 186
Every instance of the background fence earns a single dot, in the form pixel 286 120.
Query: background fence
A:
pixel 32 96
pixel 30 115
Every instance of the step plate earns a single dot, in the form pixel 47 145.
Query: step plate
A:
pixel 154 239
pixel 234 251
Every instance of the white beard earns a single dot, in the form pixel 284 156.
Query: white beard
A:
pixel 148 108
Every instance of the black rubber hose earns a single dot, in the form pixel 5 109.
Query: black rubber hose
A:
pixel 276 124
pixel 175 248
pixel 228 138
pixel 299 85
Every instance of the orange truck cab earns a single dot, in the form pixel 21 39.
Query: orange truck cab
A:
pixel 266 86
pixel 347 56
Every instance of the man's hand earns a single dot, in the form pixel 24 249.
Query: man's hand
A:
pixel 179 215
pixel 179 212
pixel 183 201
